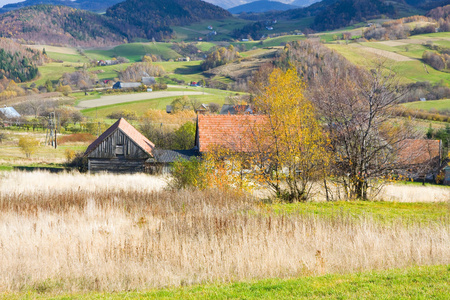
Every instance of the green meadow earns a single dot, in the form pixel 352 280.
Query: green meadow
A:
pixel 135 51
pixel 426 282
pixel 438 105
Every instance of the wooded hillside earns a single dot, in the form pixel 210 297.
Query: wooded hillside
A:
pixel 17 62
pixel 61 25
pixel 154 17
pixel 90 5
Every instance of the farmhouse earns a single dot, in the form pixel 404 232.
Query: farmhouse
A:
pixel 233 132
pixel 422 158
pixel 162 159
pixel 236 109
pixel 149 80
pixel 126 85
pixel 8 115
pixel 9 112
pixel 120 149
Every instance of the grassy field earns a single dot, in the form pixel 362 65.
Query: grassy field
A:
pixel 383 211
pixel 413 48
pixel 438 105
pixel 140 107
pixel 68 58
pixel 135 51
pixel 54 71
pixel 45 156
pixel 115 233
pixel 413 283
pixel 410 71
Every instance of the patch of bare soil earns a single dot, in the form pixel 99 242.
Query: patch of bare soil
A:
pixel 387 54
pixel 243 67
pixel 393 43
pixel 63 50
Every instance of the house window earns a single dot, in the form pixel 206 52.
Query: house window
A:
pixel 119 150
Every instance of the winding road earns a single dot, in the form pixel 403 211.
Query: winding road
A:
pixel 123 98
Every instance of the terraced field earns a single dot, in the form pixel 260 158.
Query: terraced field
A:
pixel 403 56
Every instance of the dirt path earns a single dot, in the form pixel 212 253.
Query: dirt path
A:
pixel 115 99
pixel 48 48
pixel 387 54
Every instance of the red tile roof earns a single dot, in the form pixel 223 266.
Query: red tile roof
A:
pixel 415 151
pixel 227 131
pixel 127 129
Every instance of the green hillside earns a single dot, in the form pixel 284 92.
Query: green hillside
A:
pixel 437 105
pixel 135 51
pixel 404 56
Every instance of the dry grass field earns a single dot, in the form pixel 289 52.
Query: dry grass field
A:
pixel 76 233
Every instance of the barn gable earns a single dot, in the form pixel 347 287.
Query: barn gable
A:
pixel 120 149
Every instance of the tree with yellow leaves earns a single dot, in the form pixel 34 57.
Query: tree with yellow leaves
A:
pixel 291 146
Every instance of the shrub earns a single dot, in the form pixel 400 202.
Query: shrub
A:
pixel 126 114
pixel 28 145
pixel 76 137
pixel 70 154
pixel 188 174
pixel 78 162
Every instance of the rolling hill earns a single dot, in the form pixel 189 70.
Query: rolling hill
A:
pixel 154 18
pixel 260 6
pixel 90 5
pixel 61 25
pixel 127 21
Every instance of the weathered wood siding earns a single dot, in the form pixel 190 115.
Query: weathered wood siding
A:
pixel 116 165
pixel 104 158
pixel 107 149
pixel 158 168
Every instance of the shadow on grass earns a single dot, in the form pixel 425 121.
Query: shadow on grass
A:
pixel 31 169
pixel 188 70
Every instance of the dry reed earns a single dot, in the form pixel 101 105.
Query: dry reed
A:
pixel 414 193
pixel 103 238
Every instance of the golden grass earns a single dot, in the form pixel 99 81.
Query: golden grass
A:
pixel 72 232
pixel 414 193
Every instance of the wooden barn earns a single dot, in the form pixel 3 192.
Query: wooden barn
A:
pixel 120 149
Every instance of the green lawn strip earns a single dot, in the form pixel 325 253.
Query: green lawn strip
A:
pixel 74 58
pixel 444 43
pixel 415 71
pixel 438 105
pixel 54 71
pixel 383 211
pixel 98 54
pixel 135 51
pixel 354 54
pixel 424 282
pixel 430 35
pixel 205 46
pixel 140 107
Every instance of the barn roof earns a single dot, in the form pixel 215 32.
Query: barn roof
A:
pixel 235 109
pixel 9 112
pixel 169 156
pixel 130 84
pixel 418 151
pixel 227 131
pixel 127 129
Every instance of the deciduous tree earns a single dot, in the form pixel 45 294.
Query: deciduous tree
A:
pixel 365 137
pixel 291 147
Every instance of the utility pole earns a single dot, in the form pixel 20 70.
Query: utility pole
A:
pixel 50 137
